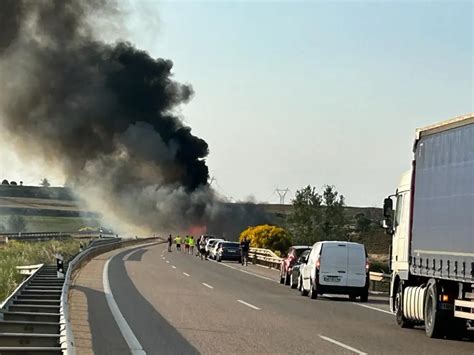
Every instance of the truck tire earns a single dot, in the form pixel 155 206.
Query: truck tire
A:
pixel 401 320
pixel 364 297
pixel 433 317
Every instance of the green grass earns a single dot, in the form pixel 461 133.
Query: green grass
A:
pixel 16 254
pixel 54 224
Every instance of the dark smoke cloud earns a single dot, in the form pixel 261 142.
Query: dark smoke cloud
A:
pixel 104 113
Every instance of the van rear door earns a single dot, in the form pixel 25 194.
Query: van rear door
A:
pixel 333 264
pixel 356 273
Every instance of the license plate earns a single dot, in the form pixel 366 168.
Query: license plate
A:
pixel 231 251
pixel 332 278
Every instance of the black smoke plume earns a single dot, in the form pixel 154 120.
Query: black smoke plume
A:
pixel 105 114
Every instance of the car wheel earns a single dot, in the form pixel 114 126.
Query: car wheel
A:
pixel 352 297
pixel 313 292
pixel 292 283
pixel 302 290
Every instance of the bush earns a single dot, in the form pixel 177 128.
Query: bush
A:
pixel 269 237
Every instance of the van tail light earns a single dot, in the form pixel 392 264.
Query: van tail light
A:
pixel 318 264
pixel 367 265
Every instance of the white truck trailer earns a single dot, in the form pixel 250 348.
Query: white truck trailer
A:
pixel 432 253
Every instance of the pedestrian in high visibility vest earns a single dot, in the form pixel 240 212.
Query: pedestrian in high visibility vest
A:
pixel 178 243
pixel 192 242
pixel 186 244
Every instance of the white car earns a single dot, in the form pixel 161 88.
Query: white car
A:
pixel 335 268
pixel 213 248
pixel 210 242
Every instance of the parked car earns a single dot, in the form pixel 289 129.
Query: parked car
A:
pixel 213 246
pixel 296 269
pixel 287 263
pixel 337 268
pixel 228 251
pixel 211 241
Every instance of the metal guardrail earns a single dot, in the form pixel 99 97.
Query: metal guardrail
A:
pixel 20 287
pixel 95 248
pixel 28 269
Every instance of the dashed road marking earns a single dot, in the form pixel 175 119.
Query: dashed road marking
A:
pixel 185 274
pixel 174 267
pixel 208 286
pixel 249 305
pixel 342 345
pixel 167 261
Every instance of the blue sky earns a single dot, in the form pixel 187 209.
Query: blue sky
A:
pixel 295 93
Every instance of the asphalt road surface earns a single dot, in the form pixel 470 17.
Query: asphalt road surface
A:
pixel 172 303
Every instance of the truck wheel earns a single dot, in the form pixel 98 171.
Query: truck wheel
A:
pixel 313 291
pixel 401 320
pixel 364 297
pixel 352 297
pixel 433 317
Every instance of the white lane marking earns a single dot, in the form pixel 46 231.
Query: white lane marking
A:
pixel 374 308
pixel 127 333
pixel 249 305
pixel 186 274
pixel 174 267
pixel 208 286
pixel 342 345
pixel 167 262
pixel 246 272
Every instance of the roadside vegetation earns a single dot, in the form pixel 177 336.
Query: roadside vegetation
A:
pixel 16 253
pixel 317 216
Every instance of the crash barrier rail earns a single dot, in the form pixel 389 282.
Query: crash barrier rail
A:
pixel 95 248
pixel 28 269
pixel 39 236
pixel 378 280
pixel 19 288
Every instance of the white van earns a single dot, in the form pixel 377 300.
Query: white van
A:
pixel 337 268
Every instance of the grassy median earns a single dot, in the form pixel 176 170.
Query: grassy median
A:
pixel 17 253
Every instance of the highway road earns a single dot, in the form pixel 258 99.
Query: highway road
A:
pixel 172 303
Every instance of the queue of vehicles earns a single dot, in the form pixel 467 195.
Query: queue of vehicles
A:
pixel 221 250
pixel 334 267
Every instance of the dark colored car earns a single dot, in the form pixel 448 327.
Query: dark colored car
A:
pixel 287 263
pixel 296 269
pixel 228 251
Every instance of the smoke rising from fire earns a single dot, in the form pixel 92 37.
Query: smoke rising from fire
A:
pixel 105 114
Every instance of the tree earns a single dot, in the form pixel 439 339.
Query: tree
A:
pixel 16 224
pixel 267 236
pixel 363 223
pixel 334 226
pixel 5 182
pixel 304 223
pixel 45 183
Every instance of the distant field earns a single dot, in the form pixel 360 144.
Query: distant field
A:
pixel 54 224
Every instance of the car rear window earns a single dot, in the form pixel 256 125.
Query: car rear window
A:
pixel 298 252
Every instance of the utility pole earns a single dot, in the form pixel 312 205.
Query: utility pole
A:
pixel 282 193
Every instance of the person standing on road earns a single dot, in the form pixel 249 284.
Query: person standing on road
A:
pixel 178 243
pixel 186 244
pixel 202 248
pixel 191 245
pixel 170 242
pixel 244 251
